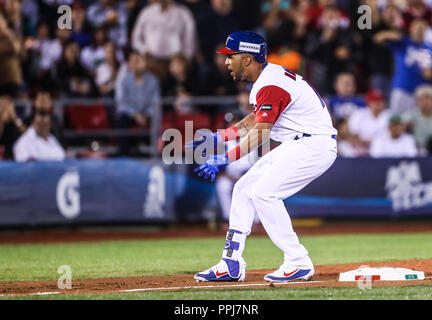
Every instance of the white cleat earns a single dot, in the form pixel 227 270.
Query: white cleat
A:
pixel 287 273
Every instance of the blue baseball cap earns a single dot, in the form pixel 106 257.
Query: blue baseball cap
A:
pixel 246 42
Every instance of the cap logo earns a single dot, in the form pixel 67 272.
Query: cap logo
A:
pixel 228 39
pixel 249 47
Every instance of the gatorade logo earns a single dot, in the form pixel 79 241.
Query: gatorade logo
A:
pixel 68 194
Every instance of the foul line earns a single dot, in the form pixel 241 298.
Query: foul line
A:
pixel 171 288
pixel 219 286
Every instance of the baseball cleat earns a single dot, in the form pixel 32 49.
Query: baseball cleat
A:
pixel 225 270
pixel 288 273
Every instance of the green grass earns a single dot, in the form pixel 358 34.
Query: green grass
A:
pixel 187 256
pixel 353 293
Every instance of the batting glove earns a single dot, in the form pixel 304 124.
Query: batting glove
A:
pixel 193 144
pixel 213 166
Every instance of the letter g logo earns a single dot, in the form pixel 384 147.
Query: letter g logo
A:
pixel 68 196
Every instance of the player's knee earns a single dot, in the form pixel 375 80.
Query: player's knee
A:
pixel 259 193
pixel 240 189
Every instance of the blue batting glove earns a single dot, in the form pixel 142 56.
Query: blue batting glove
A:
pixel 193 144
pixel 213 166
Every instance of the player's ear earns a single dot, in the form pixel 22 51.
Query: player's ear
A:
pixel 247 60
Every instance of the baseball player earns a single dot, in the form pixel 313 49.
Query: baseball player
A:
pixel 286 109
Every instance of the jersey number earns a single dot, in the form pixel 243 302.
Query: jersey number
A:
pixel 293 76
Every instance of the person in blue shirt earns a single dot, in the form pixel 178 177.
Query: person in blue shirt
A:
pixel 342 104
pixel 412 63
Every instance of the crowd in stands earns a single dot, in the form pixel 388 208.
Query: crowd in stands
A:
pixel 377 82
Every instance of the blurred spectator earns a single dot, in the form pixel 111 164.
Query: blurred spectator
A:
pixel 48 52
pixel 37 143
pixel 348 145
pixel 183 103
pixel 378 58
pixel 420 119
pixel 30 12
pixel 180 75
pixel 19 23
pixel 218 21
pixel 197 7
pixel 82 31
pixel 344 102
pixel 137 95
pixel 331 49
pixel 73 79
pixel 413 63
pixel 163 29
pixel 394 143
pixel 132 9
pixel 285 27
pixel 11 53
pixel 10 127
pixel 217 80
pixel 43 101
pixel 106 72
pixel 416 9
pixel 112 16
pixel 370 122
pixel 94 54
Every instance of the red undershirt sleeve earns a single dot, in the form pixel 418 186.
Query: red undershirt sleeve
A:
pixel 271 101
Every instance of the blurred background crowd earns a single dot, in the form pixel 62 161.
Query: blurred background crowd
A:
pixel 156 57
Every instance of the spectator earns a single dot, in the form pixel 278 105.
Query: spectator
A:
pixel 163 29
pixel 10 127
pixel 11 51
pixel 413 63
pixel 183 103
pixel 132 9
pixel 370 122
pixel 217 21
pixel 19 23
pixel 180 75
pixel 420 119
pixel 137 96
pixel 348 145
pixel 74 80
pixel 94 54
pixel 43 101
pixel 344 102
pixel 217 80
pixel 395 143
pixel 331 49
pixel 110 15
pixel 81 32
pixel 416 9
pixel 42 55
pixel 30 12
pixel 378 58
pixel 37 143
pixel 106 72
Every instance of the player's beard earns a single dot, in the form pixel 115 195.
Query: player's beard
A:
pixel 238 75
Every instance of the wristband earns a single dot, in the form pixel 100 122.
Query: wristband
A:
pixel 227 134
pixel 234 154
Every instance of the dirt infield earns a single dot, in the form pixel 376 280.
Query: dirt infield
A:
pixel 325 276
pixel 188 231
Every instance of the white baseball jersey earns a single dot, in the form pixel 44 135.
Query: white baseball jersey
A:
pixel 285 99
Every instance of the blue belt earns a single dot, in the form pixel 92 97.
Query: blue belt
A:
pixel 302 135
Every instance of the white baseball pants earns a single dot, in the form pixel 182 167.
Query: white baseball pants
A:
pixel 276 176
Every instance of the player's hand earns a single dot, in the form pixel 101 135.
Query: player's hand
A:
pixel 206 135
pixel 213 166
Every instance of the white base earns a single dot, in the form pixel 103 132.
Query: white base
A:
pixel 383 273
